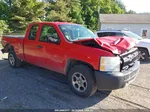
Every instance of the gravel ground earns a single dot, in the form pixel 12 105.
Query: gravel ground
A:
pixel 32 87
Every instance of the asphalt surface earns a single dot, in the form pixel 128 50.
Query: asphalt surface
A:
pixel 32 87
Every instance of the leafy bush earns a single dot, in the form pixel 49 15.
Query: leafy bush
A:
pixel 3 27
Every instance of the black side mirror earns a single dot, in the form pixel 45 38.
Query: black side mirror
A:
pixel 57 41
pixel 53 39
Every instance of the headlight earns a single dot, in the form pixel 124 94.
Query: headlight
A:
pixel 110 64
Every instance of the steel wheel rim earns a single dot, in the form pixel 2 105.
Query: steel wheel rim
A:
pixel 79 82
pixel 11 59
pixel 142 55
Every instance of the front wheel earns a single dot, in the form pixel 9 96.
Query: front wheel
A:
pixel 13 60
pixel 144 56
pixel 81 81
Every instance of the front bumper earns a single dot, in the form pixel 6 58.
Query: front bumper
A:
pixel 116 80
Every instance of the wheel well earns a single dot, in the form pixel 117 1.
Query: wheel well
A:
pixel 145 49
pixel 7 48
pixel 72 62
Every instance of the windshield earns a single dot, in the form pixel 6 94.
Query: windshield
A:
pixel 130 34
pixel 73 32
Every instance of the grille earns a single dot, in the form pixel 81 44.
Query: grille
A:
pixel 127 77
pixel 129 58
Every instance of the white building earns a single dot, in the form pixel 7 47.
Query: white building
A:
pixel 137 23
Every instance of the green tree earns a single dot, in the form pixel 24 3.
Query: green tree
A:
pixel 105 6
pixel 4 12
pixel 121 5
pixel 89 13
pixel 90 10
pixel 19 13
pixel 75 10
pixel 4 15
pixel 24 12
pixel 117 7
pixel 130 12
pixel 3 27
pixel 58 11
pixel 64 10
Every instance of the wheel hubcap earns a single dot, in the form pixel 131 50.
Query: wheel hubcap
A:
pixel 79 82
pixel 11 59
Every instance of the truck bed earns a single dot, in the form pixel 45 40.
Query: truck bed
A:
pixel 14 36
pixel 16 41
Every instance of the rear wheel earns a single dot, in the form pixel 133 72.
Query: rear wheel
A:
pixel 144 56
pixel 81 81
pixel 13 60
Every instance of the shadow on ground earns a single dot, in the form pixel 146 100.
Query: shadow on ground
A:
pixel 80 103
pixel 33 87
pixel 145 62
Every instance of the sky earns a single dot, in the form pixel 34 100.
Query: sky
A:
pixel 138 6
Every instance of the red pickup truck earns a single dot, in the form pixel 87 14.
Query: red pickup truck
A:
pixel 89 62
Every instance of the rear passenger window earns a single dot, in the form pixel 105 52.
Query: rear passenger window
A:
pixel 33 32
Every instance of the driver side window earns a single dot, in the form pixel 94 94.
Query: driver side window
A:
pixel 48 33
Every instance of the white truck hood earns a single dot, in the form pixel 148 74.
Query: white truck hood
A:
pixel 144 41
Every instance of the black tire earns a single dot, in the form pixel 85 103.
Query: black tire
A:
pixel 87 75
pixel 16 62
pixel 144 56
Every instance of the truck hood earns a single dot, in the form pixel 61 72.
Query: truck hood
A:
pixel 116 44
pixel 144 41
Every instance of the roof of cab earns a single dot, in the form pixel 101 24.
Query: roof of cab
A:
pixel 56 23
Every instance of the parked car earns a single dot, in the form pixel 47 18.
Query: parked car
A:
pixel 142 44
pixel 90 63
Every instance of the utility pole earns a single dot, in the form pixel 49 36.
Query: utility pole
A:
pixel 99 21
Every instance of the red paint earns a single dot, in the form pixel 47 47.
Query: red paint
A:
pixel 55 57
pixel 122 44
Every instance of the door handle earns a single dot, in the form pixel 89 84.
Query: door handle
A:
pixel 39 47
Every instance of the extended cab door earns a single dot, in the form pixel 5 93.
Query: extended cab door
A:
pixel 30 44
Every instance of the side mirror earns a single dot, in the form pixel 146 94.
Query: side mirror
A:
pixel 53 39
pixel 57 41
